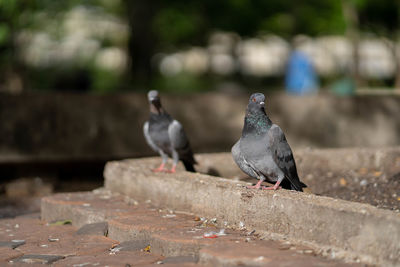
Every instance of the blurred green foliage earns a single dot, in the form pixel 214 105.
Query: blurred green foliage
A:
pixel 172 25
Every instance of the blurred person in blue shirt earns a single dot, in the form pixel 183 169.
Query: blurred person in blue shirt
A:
pixel 301 78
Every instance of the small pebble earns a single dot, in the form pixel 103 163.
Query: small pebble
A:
pixel 169 216
pixel 53 239
pixel 308 251
pixel 17 240
pixel 363 182
pixel 259 258
pixel 284 247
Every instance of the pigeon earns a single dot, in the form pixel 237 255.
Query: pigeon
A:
pixel 167 137
pixel 262 151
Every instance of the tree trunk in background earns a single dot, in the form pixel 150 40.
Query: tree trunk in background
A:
pixel 397 79
pixel 392 46
pixel 142 41
pixel 352 32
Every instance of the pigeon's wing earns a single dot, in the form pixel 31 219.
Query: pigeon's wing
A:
pixel 179 141
pixel 177 135
pixel 283 156
pixel 236 153
pixel 241 161
pixel 148 138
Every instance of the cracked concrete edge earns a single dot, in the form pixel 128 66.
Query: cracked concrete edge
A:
pixel 372 234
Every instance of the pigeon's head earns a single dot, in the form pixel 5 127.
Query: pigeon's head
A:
pixel 257 99
pixel 153 96
pixel 256 103
pixel 154 101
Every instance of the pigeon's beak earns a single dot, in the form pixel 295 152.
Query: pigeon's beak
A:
pixel 262 103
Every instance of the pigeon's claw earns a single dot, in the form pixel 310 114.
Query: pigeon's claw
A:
pixel 271 187
pixel 257 186
pixel 275 187
pixel 172 170
pixel 160 169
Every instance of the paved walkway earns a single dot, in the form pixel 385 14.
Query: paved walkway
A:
pixel 115 231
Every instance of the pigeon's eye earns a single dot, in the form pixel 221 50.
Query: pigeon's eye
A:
pixel 254 100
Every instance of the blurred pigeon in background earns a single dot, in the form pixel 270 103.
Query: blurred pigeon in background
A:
pixel 263 152
pixel 166 136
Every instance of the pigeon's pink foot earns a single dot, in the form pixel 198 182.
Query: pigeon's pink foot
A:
pixel 271 187
pixel 159 169
pixel 257 186
pixel 172 170
pixel 275 187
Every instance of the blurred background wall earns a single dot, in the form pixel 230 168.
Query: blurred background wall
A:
pixel 74 75
pixel 69 126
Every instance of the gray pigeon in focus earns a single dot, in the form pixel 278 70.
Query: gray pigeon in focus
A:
pixel 166 136
pixel 262 151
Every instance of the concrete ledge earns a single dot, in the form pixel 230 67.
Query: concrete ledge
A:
pixel 351 229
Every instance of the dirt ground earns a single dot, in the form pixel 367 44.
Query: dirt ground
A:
pixel 366 186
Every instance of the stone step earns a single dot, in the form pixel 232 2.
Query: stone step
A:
pixel 349 230
pixel 178 238
pixel 61 245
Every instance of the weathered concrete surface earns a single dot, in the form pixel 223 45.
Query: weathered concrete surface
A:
pixel 173 238
pixel 365 175
pixel 67 126
pixel 349 229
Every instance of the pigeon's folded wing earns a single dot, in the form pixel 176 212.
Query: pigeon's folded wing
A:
pixel 283 156
pixel 177 135
pixel 148 138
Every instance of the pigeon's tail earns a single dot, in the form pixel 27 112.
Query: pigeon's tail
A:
pixel 297 185
pixel 188 166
